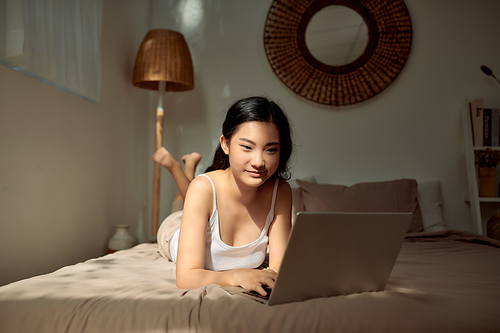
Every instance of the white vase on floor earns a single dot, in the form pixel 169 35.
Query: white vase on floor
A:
pixel 121 239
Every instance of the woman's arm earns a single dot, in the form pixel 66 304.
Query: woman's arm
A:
pixel 280 228
pixel 190 265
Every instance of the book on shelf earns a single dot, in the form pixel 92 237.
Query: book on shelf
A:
pixel 485 124
pixel 477 114
pixel 495 127
pixel 486 127
pixel 491 129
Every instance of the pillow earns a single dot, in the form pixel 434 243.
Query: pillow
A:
pixel 298 204
pixel 390 196
pixel 293 182
pixel 430 201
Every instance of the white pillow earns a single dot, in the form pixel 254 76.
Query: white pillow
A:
pixel 430 201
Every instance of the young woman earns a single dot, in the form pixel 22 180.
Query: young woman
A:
pixel 239 207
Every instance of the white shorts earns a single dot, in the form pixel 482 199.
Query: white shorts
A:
pixel 168 228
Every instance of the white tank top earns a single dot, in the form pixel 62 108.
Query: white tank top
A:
pixel 221 257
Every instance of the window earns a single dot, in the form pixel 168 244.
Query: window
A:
pixel 54 41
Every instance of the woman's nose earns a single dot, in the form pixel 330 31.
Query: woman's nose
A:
pixel 258 160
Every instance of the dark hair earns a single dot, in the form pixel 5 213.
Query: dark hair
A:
pixel 256 109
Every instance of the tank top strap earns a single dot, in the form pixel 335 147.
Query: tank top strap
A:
pixel 214 195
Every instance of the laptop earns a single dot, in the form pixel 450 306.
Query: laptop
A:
pixel 331 254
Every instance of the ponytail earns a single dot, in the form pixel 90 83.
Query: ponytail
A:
pixel 220 162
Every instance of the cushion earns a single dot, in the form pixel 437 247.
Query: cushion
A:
pixel 293 182
pixel 430 201
pixel 389 196
pixel 298 204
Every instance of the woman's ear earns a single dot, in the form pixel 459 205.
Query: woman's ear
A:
pixel 224 144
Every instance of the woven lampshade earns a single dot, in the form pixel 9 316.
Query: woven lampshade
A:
pixel 163 56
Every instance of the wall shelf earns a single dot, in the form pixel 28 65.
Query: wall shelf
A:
pixel 481 148
pixel 482 208
pixel 489 199
pixel 482 199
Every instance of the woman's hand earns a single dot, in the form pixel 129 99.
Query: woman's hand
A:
pixel 253 279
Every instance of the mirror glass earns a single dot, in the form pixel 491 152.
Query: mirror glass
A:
pixel 336 35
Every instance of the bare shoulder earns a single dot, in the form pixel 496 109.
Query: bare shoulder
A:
pixel 200 183
pixel 199 196
pixel 284 188
pixel 284 196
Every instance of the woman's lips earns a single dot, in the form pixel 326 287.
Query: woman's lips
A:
pixel 255 173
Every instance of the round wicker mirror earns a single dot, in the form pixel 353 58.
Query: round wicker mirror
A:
pixel 389 44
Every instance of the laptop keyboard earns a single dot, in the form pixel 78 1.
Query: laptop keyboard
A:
pixel 256 294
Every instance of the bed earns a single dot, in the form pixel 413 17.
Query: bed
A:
pixel 443 281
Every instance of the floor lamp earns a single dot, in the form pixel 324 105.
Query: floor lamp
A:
pixel 163 63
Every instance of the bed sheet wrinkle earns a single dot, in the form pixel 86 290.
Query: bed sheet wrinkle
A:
pixel 457 235
pixel 187 312
pixel 436 266
pixel 318 315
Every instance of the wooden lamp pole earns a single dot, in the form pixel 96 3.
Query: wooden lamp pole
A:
pixel 155 221
pixel 163 63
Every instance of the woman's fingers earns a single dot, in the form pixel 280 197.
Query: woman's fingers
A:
pixel 261 278
pixel 254 280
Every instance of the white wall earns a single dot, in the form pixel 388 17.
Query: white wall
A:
pixel 411 130
pixel 70 169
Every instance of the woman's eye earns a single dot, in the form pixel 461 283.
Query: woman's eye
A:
pixel 245 147
pixel 272 150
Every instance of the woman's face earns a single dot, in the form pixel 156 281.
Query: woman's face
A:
pixel 254 151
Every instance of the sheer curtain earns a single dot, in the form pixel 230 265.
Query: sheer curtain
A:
pixel 54 41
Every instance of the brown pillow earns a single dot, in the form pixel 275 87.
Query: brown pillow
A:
pixel 390 196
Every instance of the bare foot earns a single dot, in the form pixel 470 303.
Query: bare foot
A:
pixel 191 161
pixel 164 157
